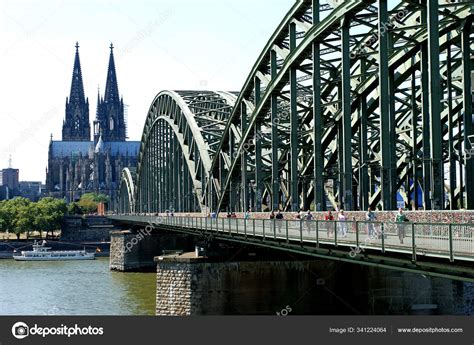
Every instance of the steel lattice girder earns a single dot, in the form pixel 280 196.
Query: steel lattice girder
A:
pixel 127 190
pixel 325 38
pixel 341 107
pixel 179 141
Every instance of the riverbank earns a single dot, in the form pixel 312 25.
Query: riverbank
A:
pixel 7 248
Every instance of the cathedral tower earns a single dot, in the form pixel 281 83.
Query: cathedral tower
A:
pixel 76 125
pixel 110 122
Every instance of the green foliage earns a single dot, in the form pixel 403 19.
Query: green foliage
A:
pixel 95 197
pixel 87 204
pixel 20 215
pixel 73 208
pixel 25 216
pixel 6 216
pixel 49 214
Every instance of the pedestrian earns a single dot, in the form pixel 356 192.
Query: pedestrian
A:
pixel 342 223
pixel 400 219
pixel 272 215
pixel 309 218
pixel 247 214
pixel 279 217
pixel 329 218
pixel 213 215
pixel 370 218
pixel 229 215
pixel 233 215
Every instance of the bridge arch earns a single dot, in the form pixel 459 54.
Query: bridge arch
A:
pixel 181 132
pixel 126 200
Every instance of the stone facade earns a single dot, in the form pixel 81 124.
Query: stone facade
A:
pixel 117 250
pixel 177 288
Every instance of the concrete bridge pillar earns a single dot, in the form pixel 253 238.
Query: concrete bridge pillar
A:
pixel 135 249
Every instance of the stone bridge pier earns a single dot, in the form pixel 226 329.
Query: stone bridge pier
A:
pixel 134 249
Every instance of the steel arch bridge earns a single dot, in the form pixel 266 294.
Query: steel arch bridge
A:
pixel 347 105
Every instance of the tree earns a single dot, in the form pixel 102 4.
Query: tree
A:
pixel 103 198
pixel 17 216
pixel 88 203
pixel 73 208
pixel 49 212
pixel 24 217
pixel 6 216
pixel 20 215
pixel 95 197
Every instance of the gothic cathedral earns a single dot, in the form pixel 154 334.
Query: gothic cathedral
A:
pixel 77 164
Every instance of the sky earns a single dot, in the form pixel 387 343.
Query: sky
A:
pixel 159 45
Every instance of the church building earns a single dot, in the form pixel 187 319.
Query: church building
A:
pixel 79 164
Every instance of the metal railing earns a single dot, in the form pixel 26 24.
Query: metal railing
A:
pixel 452 241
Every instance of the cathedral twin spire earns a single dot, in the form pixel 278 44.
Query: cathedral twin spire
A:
pixel 76 126
pixel 77 87
pixel 109 123
pixel 111 86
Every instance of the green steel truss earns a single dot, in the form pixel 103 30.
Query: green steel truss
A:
pixel 126 190
pixel 344 107
pixel 182 132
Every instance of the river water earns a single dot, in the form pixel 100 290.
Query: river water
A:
pixel 73 288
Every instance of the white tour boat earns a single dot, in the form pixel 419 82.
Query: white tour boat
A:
pixel 42 253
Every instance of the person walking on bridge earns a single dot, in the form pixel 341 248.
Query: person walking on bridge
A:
pixel 272 220
pixel 247 214
pixel 279 219
pixel 342 223
pixel 308 219
pixel 370 218
pixel 400 219
pixel 329 223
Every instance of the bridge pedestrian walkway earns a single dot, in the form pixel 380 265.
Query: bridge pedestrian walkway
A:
pixel 453 242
